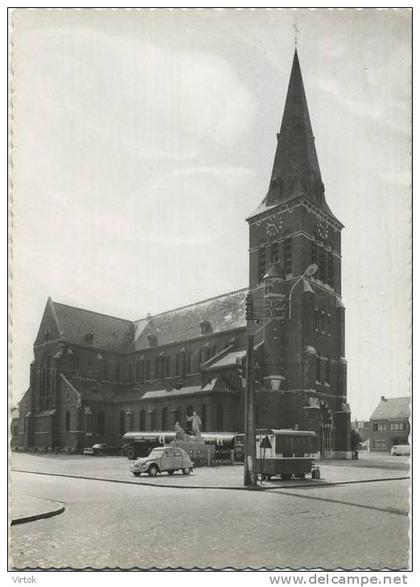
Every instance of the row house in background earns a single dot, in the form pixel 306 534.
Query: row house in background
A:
pixel 390 423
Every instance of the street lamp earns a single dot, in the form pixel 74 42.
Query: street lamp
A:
pixel 250 473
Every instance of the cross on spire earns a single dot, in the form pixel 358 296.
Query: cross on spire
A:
pixel 296 31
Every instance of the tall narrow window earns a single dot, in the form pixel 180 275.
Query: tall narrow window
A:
pixel 130 372
pixel 327 370
pixel 142 420
pixel 261 263
pixel 288 255
pixel 328 323
pixel 157 368
pixel 314 253
pixel 219 418
pixel 130 420
pixel 165 419
pixel 177 362
pixel 317 322
pixel 203 417
pixel 117 371
pixel 141 368
pixel 188 362
pixel 274 253
pixel 147 370
pixel 153 421
pixel 330 269
pixel 318 368
pixel 101 422
pixel 167 366
pixel 321 265
pixel 67 421
pixel 122 422
pixel 138 371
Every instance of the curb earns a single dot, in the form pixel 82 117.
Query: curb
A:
pixel 50 514
pixel 220 487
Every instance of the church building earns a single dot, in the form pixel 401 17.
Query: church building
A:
pixel 95 376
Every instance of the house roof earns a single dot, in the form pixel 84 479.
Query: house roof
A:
pixel 392 408
pixel 109 333
pixel 223 313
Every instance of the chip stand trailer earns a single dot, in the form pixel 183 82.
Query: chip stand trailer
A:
pixel 285 452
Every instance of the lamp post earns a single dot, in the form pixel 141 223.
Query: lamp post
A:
pixel 275 378
pixel 250 473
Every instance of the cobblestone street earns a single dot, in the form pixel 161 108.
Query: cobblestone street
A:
pixel 105 524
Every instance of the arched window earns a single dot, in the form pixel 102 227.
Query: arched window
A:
pixel 100 422
pixel 164 418
pixel 122 422
pixel 67 421
pixel 219 418
pixel 141 370
pixel 153 421
pixel 142 420
pixel 203 417
pixel 130 421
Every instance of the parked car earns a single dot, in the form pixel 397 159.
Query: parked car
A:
pixel 165 458
pixel 400 449
pixel 102 449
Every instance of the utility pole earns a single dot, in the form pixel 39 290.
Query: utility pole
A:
pixel 250 475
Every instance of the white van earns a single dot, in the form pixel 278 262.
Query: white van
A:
pixel 400 449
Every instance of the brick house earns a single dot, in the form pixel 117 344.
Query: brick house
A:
pixel 95 376
pixel 390 423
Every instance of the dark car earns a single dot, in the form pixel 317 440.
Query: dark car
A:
pixel 102 449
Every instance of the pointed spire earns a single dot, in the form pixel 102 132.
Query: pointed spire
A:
pixel 296 170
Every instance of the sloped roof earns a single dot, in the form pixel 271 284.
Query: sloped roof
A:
pixel 296 170
pixel 392 408
pixel 109 333
pixel 106 391
pixel 229 360
pixel 225 312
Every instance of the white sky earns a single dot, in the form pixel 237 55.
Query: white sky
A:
pixel 142 140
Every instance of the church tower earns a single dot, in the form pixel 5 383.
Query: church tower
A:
pixel 295 280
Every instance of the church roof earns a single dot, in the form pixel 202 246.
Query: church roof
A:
pixel 109 333
pixel 222 313
pixel 392 408
pixel 296 170
pixel 219 314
